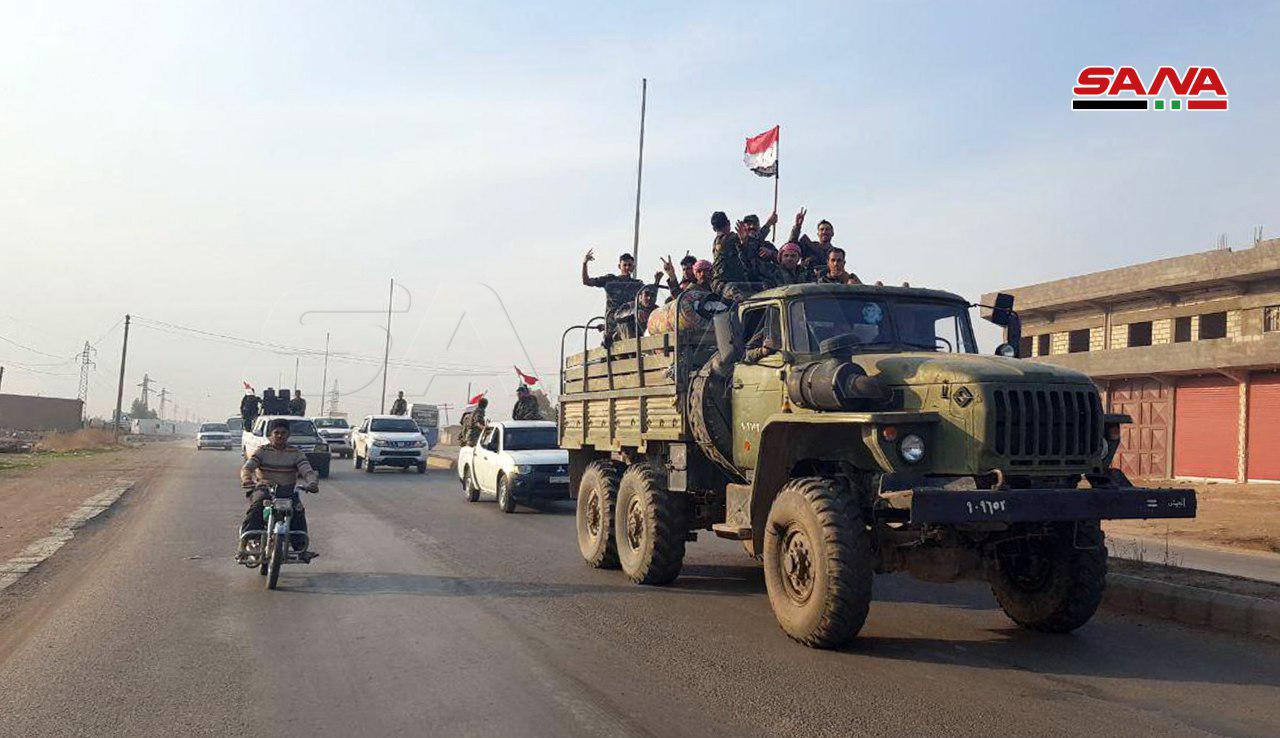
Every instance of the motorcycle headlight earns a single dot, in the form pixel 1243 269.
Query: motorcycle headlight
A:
pixel 911 448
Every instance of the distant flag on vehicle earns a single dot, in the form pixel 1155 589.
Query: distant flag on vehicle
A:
pixel 247 385
pixel 761 155
pixel 475 399
pixel 526 378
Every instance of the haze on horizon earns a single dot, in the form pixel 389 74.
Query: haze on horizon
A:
pixel 231 167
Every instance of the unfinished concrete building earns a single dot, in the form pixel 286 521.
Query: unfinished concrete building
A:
pixel 1188 346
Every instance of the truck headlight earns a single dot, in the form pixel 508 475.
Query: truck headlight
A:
pixel 379 442
pixel 523 469
pixel 911 448
pixel 416 444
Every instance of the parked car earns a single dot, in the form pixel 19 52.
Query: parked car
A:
pixel 518 461
pixel 337 433
pixel 214 435
pixel 389 440
pixel 302 436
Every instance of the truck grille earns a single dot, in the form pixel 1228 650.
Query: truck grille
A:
pixel 1047 427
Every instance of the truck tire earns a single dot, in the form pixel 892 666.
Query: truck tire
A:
pixel 1052 584
pixel 506 502
pixel 597 494
pixel 818 564
pixel 470 489
pixel 650 527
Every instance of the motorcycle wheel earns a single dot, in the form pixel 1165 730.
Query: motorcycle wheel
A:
pixel 263 557
pixel 277 557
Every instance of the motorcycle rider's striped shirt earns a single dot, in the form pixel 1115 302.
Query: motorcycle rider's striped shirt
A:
pixel 278 466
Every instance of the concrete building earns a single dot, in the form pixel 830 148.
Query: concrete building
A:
pixel 30 413
pixel 1188 346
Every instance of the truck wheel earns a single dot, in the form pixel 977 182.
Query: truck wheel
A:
pixel 650 527
pixel 470 489
pixel 506 502
pixel 817 563
pixel 597 494
pixel 1052 583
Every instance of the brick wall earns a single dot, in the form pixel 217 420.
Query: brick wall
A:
pixel 1233 323
pixel 1097 337
pixel 1058 344
pixel 1162 331
pixel 1119 336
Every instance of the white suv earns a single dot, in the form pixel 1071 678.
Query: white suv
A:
pixel 389 440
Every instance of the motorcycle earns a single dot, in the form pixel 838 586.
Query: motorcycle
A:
pixel 273 546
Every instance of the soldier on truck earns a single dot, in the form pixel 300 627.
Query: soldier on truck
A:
pixel 844 430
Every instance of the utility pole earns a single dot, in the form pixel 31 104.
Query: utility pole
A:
pixel 296 359
pixel 124 353
pixel 164 395
pixel 1 375
pixel 324 378
pixel 386 353
pixel 86 362
pixel 446 407
pixel 644 95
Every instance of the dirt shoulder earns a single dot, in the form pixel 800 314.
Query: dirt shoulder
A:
pixel 1239 516
pixel 38 490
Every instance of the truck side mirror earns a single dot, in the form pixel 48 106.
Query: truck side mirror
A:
pixel 1002 313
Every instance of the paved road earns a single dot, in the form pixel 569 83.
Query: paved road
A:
pixel 431 616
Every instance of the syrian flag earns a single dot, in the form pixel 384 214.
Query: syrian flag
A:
pixel 761 155
pixel 475 399
pixel 247 386
pixel 527 379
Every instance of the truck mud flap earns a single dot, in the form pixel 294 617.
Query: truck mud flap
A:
pixel 933 505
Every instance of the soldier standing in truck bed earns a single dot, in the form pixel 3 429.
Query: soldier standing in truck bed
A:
pixel 526 405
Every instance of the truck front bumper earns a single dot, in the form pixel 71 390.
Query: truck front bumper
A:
pixel 932 505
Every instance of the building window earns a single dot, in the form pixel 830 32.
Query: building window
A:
pixel 1213 325
pixel 1140 334
pixel 1042 344
pixel 1271 318
pixel 1078 341
pixel 1182 329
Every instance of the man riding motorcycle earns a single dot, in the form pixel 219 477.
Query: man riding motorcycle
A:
pixel 280 464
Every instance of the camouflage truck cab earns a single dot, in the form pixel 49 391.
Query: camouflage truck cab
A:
pixel 839 431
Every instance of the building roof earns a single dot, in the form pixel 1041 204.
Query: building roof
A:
pixel 1166 278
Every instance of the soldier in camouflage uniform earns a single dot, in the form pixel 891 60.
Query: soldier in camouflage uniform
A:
pixel 474 423
pixel 526 405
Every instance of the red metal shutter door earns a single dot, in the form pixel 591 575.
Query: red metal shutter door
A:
pixel 1206 428
pixel 1264 426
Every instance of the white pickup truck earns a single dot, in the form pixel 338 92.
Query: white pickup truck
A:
pixel 518 461
pixel 302 435
pixel 389 440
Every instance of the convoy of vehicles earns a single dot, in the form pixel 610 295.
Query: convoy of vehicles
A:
pixel 336 432
pixel 214 435
pixel 518 461
pixel 302 435
pixel 843 431
pixel 389 440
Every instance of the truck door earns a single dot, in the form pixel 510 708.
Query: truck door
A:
pixel 486 459
pixel 757 386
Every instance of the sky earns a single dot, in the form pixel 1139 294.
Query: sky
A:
pixel 261 171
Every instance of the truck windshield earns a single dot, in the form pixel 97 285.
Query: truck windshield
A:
pixel 834 323
pixel 528 439
pixel 213 428
pixel 331 423
pixel 393 425
pixel 301 428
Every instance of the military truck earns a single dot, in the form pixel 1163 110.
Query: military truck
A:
pixel 843 431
